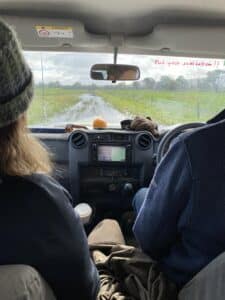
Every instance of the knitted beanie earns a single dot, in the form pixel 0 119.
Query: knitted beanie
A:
pixel 16 79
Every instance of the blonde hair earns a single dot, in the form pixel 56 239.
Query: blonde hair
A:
pixel 20 153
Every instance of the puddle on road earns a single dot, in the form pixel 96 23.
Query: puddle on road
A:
pixel 89 107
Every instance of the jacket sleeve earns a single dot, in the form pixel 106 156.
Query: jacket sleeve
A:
pixel 156 225
pixel 61 251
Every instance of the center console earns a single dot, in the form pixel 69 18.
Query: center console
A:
pixel 109 162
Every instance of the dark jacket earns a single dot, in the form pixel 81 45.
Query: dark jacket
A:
pixel 182 220
pixel 38 227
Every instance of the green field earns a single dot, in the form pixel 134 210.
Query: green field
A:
pixel 163 106
pixel 49 103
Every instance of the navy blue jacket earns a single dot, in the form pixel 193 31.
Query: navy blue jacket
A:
pixel 38 227
pixel 181 222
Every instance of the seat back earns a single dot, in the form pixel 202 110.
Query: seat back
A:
pixel 208 284
pixel 23 282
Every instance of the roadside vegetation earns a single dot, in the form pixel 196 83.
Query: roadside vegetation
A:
pixel 49 102
pixel 166 107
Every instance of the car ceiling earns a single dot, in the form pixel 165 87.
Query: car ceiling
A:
pixel 140 23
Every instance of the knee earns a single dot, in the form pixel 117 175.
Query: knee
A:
pixel 139 198
pixel 106 232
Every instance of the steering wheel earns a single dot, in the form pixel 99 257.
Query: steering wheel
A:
pixel 170 135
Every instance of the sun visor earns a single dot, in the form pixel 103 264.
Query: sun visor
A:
pixel 47 34
pixel 55 34
pixel 181 40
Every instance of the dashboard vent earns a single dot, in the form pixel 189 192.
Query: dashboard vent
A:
pixel 79 140
pixel 144 141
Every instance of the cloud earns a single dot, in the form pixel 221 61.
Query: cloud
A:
pixel 68 68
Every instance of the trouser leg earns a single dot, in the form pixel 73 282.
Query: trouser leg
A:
pixel 106 232
pixel 139 198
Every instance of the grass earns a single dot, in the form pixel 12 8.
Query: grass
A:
pixel 165 107
pixel 50 103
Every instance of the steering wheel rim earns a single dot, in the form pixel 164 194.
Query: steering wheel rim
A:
pixel 170 135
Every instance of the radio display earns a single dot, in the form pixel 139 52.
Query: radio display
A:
pixel 112 153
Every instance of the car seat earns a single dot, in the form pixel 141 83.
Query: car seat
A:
pixel 208 284
pixel 20 282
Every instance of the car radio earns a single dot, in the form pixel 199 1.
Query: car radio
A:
pixel 111 153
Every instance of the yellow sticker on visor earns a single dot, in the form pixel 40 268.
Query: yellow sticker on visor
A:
pixel 65 32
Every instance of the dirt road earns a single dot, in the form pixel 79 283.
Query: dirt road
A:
pixel 89 107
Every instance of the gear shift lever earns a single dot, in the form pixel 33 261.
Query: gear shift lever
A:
pixel 128 189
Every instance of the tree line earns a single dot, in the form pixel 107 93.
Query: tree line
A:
pixel 213 81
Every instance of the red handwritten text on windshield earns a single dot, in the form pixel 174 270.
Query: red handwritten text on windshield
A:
pixel 190 63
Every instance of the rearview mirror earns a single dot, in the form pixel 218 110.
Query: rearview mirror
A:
pixel 114 72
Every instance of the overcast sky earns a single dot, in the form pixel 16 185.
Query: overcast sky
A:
pixel 68 68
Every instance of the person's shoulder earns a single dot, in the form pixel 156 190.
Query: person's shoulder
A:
pixel 209 135
pixel 205 148
pixel 42 180
pixel 48 186
pixel 207 132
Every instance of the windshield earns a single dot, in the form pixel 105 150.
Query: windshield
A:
pixel 171 90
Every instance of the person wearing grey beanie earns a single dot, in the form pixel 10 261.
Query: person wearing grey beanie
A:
pixel 39 226
pixel 16 79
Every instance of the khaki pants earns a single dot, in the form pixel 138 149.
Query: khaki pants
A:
pixel 106 232
pixel 126 273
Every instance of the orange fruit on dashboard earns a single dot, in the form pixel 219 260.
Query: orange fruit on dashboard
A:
pixel 99 123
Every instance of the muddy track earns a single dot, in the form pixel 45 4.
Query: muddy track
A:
pixel 86 109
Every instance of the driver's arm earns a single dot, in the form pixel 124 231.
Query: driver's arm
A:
pixel 156 226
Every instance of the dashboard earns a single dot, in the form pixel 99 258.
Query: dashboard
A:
pixel 106 162
pixel 99 166
pixel 105 168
